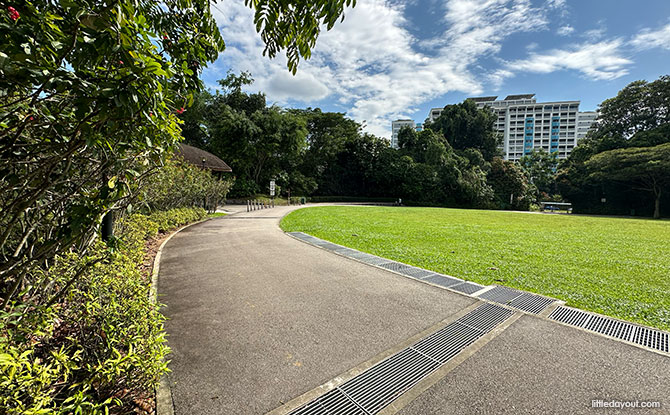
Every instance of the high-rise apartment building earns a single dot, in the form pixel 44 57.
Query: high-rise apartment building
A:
pixel 526 124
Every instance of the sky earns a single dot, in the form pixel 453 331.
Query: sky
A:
pixel 397 59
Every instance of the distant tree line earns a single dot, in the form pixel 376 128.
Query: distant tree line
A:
pixel 454 161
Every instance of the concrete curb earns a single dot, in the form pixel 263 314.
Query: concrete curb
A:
pixel 164 404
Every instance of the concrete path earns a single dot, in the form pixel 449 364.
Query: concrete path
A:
pixel 257 318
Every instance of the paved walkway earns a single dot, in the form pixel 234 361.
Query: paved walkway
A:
pixel 257 318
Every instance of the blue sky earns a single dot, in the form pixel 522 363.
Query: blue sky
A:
pixel 398 59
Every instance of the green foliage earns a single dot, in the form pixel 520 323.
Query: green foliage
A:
pixel 466 126
pixel 94 340
pixel 510 185
pixel 646 168
pixel 295 25
pixel 89 92
pixel 640 106
pixel 181 184
pixel 614 266
pixel 540 167
pixel 260 143
pixel 639 116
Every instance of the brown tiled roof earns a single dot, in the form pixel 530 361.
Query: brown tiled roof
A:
pixel 196 156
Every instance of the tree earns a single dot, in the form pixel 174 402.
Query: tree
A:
pixel 327 134
pixel 424 147
pixel 466 126
pixel 509 184
pixel 90 93
pixel 645 168
pixel 541 169
pixel 295 25
pixel 640 106
pixel 639 116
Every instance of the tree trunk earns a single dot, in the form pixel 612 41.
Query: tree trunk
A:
pixel 657 206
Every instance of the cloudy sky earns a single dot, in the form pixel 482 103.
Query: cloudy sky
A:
pixel 398 59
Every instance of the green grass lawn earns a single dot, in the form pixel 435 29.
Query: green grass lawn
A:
pixel 615 266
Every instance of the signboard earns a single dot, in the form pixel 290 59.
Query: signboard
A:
pixel 272 187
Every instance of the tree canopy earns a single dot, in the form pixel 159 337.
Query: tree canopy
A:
pixel 90 94
pixel 465 126
pixel 638 117
pixel 644 168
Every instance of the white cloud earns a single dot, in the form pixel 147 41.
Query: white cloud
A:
pixel 598 61
pixel 649 39
pixel 565 30
pixel 532 46
pixel 371 66
pixel 556 4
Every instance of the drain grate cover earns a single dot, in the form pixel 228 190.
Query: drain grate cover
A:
pixel 374 260
pixel 467 287
pixel 528 302
pixel 417 272
pixel 395 266
pixel 443 280
pixel 502 295
pixel 333 402
pixel 328 245
pixel 380 385
pixel 372 390
pixel 531 303
pixel 644 336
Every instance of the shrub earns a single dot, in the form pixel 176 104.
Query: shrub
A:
pixel 94 341
pixel 180 184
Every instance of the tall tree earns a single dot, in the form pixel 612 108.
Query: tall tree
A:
pixel 327 135
pixel 510 185
pixel 90 94
pixel 640 106
pixel 540 167
pixel 644 168
pixel 466 126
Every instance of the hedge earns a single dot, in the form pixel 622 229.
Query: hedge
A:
pixel 97 346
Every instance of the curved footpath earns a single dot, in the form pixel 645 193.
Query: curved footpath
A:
pixel 258 319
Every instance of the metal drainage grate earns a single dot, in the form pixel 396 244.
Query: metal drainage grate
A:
pixel 328 245
pixel 443 280
pixel 372 390
pixel 418 272
pixel 467 287
pixel 528 302
pixel 348 252
pixel 395 266
pixel 485 317
pixel 502 295
pixel 380 385
pixel 531 303
pixel 644 336
pixel 570 316
pixel 374 260
pixel 333 402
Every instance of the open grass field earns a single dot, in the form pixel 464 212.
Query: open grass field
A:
pixel 616 266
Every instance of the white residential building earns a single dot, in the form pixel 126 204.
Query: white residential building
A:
pixel 395 128
pixel 526 124
pixel 434 114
